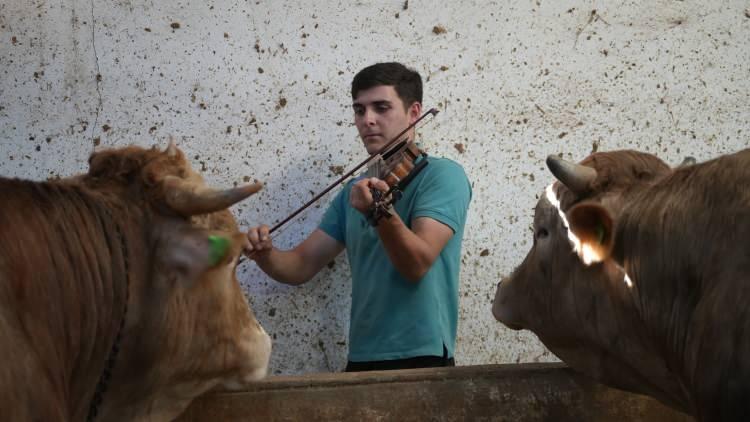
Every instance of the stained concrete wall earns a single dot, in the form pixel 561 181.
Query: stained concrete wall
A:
pixel 259 89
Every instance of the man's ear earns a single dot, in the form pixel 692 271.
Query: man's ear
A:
pixel 594 227
pixel 189 253
pixel 415 110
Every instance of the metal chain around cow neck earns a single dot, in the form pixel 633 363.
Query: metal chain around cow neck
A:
pixel 109 364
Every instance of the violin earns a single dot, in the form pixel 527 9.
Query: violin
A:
pixel 395 166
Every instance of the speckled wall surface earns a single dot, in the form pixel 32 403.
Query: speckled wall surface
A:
pixel 259 89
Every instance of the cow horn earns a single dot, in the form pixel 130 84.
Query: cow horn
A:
pixel 189 200
pixel 688 161
pixel 576 177
pixel 171 148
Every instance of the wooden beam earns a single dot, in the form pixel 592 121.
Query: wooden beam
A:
pixel 518 393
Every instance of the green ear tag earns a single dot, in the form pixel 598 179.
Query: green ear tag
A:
pixel 218 247
pixel 600 233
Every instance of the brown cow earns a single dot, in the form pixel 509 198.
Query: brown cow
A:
pixel 118 296
pixel 650 290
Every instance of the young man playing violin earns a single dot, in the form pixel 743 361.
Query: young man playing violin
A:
pixel 404 263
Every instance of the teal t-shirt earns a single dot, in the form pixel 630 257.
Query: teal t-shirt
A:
pixel 391 317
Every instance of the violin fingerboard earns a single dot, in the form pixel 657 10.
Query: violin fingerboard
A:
pixel 375 167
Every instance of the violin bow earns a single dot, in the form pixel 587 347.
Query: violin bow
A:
pixel 433 112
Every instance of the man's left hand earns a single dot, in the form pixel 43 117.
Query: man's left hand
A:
pixel 361 197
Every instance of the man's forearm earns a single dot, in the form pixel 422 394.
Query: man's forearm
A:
pixel 411 251
pixel 283 266
pixel 409 254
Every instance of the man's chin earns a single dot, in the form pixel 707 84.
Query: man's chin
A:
pixel 373 145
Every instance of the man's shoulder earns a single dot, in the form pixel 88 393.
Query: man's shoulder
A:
pixel 446 165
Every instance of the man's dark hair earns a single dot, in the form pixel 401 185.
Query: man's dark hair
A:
pixel 406 82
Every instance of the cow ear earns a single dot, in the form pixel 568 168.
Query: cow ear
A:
pixel 594 228
pixel 191 253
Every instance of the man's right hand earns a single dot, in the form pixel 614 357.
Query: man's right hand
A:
pixel 258 241
pixel 294 266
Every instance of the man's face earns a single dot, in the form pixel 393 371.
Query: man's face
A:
pixel 379 115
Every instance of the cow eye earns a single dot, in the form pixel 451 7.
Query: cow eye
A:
pixel 542 233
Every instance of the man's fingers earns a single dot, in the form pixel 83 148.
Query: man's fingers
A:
pixel 263 234
pixel 246 245
pixel 362 185
pixel 378 184
pixel 259 238
pixel 253 236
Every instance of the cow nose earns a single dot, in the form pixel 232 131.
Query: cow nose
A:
pixel 495 312
pixel 496 301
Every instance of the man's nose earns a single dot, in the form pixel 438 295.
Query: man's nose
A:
pixel 369 117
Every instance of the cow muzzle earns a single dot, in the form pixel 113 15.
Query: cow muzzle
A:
pixel 495 304
pixel 501 308
pixel 256 355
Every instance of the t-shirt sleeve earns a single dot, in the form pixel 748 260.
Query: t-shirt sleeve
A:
pixel 334 219
pixel 444 194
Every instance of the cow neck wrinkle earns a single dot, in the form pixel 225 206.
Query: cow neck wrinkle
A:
pixel 106 374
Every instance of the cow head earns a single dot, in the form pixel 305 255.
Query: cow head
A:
pixel 571 289
pixel 189 326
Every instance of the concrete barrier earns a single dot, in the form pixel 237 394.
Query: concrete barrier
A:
pixel 518 393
